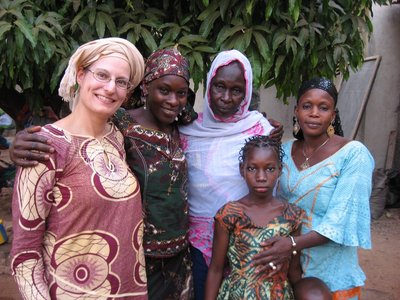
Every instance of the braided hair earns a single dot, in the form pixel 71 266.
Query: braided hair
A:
pixel 261 141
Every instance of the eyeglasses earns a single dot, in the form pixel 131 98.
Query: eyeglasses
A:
pixel 104 76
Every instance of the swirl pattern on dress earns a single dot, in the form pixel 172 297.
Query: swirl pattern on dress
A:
pixel 81 264
pixel 111 179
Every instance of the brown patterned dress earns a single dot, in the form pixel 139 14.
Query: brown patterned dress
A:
pixel 77 221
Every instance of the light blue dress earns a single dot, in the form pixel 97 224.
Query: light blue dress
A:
pixel 335 195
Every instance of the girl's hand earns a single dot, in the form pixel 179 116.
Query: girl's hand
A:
pixel 277 132
pixel 28 148
pixel 279 250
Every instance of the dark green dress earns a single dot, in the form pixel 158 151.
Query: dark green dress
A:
pixel 158 161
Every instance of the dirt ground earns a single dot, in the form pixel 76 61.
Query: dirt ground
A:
pixel 381 264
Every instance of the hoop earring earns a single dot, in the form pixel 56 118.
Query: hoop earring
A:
pixel 296 126
pixel 331 130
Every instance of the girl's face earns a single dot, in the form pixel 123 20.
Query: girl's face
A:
pixel 261 169
pixel 103 97
pixel 315 111
pixel 166 98
pixel 227 90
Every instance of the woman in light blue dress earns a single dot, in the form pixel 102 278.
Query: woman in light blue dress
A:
pixel 330 178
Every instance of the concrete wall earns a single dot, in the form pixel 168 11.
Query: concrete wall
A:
pixel 383 107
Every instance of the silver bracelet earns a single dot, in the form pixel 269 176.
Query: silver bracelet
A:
pixel 293 245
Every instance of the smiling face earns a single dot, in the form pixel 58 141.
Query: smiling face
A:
pixel 261 169
pixel 103 98
pixel 227 90
pixel 315 111
pixel 166 98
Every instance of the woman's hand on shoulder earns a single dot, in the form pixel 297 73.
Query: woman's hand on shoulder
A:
pixel 28 148
pixel 277 132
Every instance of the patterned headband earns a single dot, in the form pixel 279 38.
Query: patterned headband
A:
pixel 166 62
pixel 318 83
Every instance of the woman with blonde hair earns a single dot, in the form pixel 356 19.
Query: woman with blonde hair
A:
pixel 67 211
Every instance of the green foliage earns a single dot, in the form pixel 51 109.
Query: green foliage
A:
pixel 285 41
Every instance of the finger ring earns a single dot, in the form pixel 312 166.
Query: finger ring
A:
pixel 271 264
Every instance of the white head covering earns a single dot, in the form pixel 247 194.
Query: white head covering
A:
pixel 209 125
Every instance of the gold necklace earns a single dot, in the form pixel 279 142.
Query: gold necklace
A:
pixel 306 164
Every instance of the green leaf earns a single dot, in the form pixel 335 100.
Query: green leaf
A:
pixel 227 32
pixel 296 12
pixel 100 26
pixel 268 10
pixel 333 4
pixel 288 42
pixel 208 11
pixel 278 65
pixel 190 38
pixel 48 47
pixel 4 27
pixel 47 29
pixel 109 22
pixel 92 16
pixel 279 37
pixel 198 58
pixel 26 29
pixel 132 37
pixel 148 39
pixel 223 7
pixel 59 70
pixel 340 39
pixel 247 38
pixel 369 24
pixel 255 60
pixel 337 52
pixel 330 62
pixel 77 18
pixel 17 13
pixel 314 59
pixel 171 35
pixel 19 44
pixel 301 23
pixel 207 25
pixel 249 7
pixel 127 27
pixel 262 45
pixel 203 48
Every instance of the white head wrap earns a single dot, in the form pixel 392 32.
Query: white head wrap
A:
pixel 92 51
pixel 208 125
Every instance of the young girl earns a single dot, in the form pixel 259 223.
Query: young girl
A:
pixel 240 227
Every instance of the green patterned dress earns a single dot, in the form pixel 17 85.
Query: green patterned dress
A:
pixel 159 163
pixel 244 242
